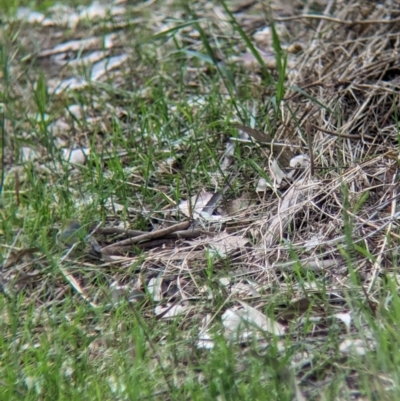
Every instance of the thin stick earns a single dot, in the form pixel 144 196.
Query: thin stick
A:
pixel 310 149
pixel 135 233
pixel 336 134
pixel 338 21
pixel 148 236
pixel 117 230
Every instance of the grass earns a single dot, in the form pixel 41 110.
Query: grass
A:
pixel 11 6
pixel 77 322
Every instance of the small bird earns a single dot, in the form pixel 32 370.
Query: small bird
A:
pixel 75 235
pixel 72 233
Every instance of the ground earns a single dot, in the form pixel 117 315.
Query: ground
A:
pixel 200 200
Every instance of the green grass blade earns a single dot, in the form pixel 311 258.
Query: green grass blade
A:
pixel 312 98
pixel 249 44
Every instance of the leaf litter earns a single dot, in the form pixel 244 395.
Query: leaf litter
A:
pixel 341 81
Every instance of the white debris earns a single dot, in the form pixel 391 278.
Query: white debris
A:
pixel 76 156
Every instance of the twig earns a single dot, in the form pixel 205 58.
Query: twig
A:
pixel 338 21
pixel 310 149
pixel 117 230
pixel 336 134
pixel 190 233
pixel 148 236
pixel 155 243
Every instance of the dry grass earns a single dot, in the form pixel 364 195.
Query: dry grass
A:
pixel 318 247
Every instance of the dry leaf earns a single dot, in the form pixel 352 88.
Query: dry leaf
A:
pixel 76 156
pixel 254 133
pixel 243 290
pixel 169 311
pixel 300 161
pixel 251 62
pixel 28 154
pixel 196 204
pixel 276 173
pixel 280 151
pixel 100 11
pixel 154 288
pixel 59 127
pixel 225 281
pixel 313 242
pixel 88 59
pixel 236 205
pixel 79 45
pixel 67 84
pixel 205 341
pixel 247 322
pixel 262 185
pixel 252 315
pixel 76 110
pixel 289 205
pixel 345 318
pixel 102 67
pixel 125 292
pixel 224 243
pixel 295 48
pixel 353 347
pixel 32 17
pixel 232 322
